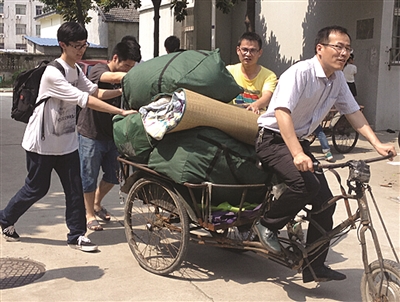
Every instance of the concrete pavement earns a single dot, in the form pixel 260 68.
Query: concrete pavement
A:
pixel 208 274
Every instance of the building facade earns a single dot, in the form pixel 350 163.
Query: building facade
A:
pixel 288 29
pixel 17 19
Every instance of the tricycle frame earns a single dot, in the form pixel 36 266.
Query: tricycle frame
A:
pixel 238 235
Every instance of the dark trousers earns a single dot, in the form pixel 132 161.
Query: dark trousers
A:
pixel 37 184
pixel 302 188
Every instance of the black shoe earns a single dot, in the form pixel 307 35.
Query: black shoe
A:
pixel 323 274
pixel 267 238
pixel 84 244
pixel 9 233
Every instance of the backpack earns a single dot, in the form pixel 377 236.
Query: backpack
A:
pixel 26 90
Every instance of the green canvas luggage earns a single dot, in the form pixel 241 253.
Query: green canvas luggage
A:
pixel 208 154
pixel 198 70
pixel 131 138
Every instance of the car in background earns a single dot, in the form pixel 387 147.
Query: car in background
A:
pixel 86 65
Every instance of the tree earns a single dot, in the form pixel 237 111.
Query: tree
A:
pixel 77 10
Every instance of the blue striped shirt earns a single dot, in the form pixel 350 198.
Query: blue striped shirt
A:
pixel 305 90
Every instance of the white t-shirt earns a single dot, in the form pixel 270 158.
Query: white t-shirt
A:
pixel 59 112
pixel 349 72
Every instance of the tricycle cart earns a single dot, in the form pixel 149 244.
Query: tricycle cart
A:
pixel 161 217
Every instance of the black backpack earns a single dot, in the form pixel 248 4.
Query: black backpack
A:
pixel 26 89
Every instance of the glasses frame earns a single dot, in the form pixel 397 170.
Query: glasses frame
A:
pixel 80 47
pixel 339 48
pixel 250 51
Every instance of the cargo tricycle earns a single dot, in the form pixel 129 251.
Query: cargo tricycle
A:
pixel 161 217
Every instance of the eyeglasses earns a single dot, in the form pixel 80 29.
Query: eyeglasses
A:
pixel 80 47
pixel 339 48
pixel 251 51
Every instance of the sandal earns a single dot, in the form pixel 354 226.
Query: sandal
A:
pixel 103 214
pixel 94 225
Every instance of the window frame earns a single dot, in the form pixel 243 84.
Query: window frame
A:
pixel 395 49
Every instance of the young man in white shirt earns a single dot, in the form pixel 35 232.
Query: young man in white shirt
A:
pixel 51 141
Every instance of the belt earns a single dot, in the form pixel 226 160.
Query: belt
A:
pixel 262 130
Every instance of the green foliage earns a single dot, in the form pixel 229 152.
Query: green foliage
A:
pixel 70 10
pixel 77 10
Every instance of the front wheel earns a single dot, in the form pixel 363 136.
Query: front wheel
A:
pixel 386 281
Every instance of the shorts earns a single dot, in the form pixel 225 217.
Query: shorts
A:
pixel 93 155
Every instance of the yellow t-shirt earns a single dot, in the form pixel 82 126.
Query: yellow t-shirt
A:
pixel 265 80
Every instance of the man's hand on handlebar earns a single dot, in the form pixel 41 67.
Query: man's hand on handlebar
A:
pixel 303 162
pixel 385 149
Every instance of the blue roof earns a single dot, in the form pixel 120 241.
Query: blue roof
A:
pixel 54 42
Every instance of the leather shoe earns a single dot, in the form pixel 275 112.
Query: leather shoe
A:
pixel 323 274
pixel 267 238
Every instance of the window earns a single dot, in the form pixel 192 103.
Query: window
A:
pixel 188 30
pixel 39 10
pixel 2 8
pixel 38 30
pixel 395 50
pixel 20 29
pixel 1 28
pixel 1 45
pixel 20 9
pixel 20 46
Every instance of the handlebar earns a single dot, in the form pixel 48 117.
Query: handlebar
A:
pixel 319 166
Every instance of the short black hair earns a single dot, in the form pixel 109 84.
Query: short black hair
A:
pixel 251 36
pixel 172 44
pixel 71 32
pixel 323 34
pixel 127 51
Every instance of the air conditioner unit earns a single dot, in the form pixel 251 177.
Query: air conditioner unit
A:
pixel 1 36
pixel 18 17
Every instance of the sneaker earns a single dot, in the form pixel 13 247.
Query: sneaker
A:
pixel 328 156
pixel 84 244
pixel 10 234
pixel 267 238
pixel 323 274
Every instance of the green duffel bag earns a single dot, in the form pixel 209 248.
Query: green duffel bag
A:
pixel 200 71
pixel 131 138
pixel 208 154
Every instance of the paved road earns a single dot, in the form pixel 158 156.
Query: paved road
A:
pixel 208 274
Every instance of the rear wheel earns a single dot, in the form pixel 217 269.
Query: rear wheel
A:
pixel 156 226
pixel 385 281
pixel 344 137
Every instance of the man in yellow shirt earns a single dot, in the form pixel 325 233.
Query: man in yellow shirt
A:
pixel 257 81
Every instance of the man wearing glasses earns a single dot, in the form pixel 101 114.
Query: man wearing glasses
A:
pixel 257 81
pixel 51 140
pixel 304 95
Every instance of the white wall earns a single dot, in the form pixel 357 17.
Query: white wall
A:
pixel 388 100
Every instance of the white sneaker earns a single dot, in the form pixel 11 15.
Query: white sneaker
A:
pixel 84 244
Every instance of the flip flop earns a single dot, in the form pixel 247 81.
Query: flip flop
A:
pixel 94 225
pixel 103 214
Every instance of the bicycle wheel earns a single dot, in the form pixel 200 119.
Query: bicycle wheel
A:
pixel 344 137
pixel 156 226
pixel 388 280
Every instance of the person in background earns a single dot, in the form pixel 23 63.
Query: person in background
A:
pixel 304 95
pixel 257 81
pixel 95 132
pixel 51 140
pixel 172 44
pixel 350 70
pixel 326 150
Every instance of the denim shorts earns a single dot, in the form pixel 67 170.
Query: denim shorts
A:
pixel 93 155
